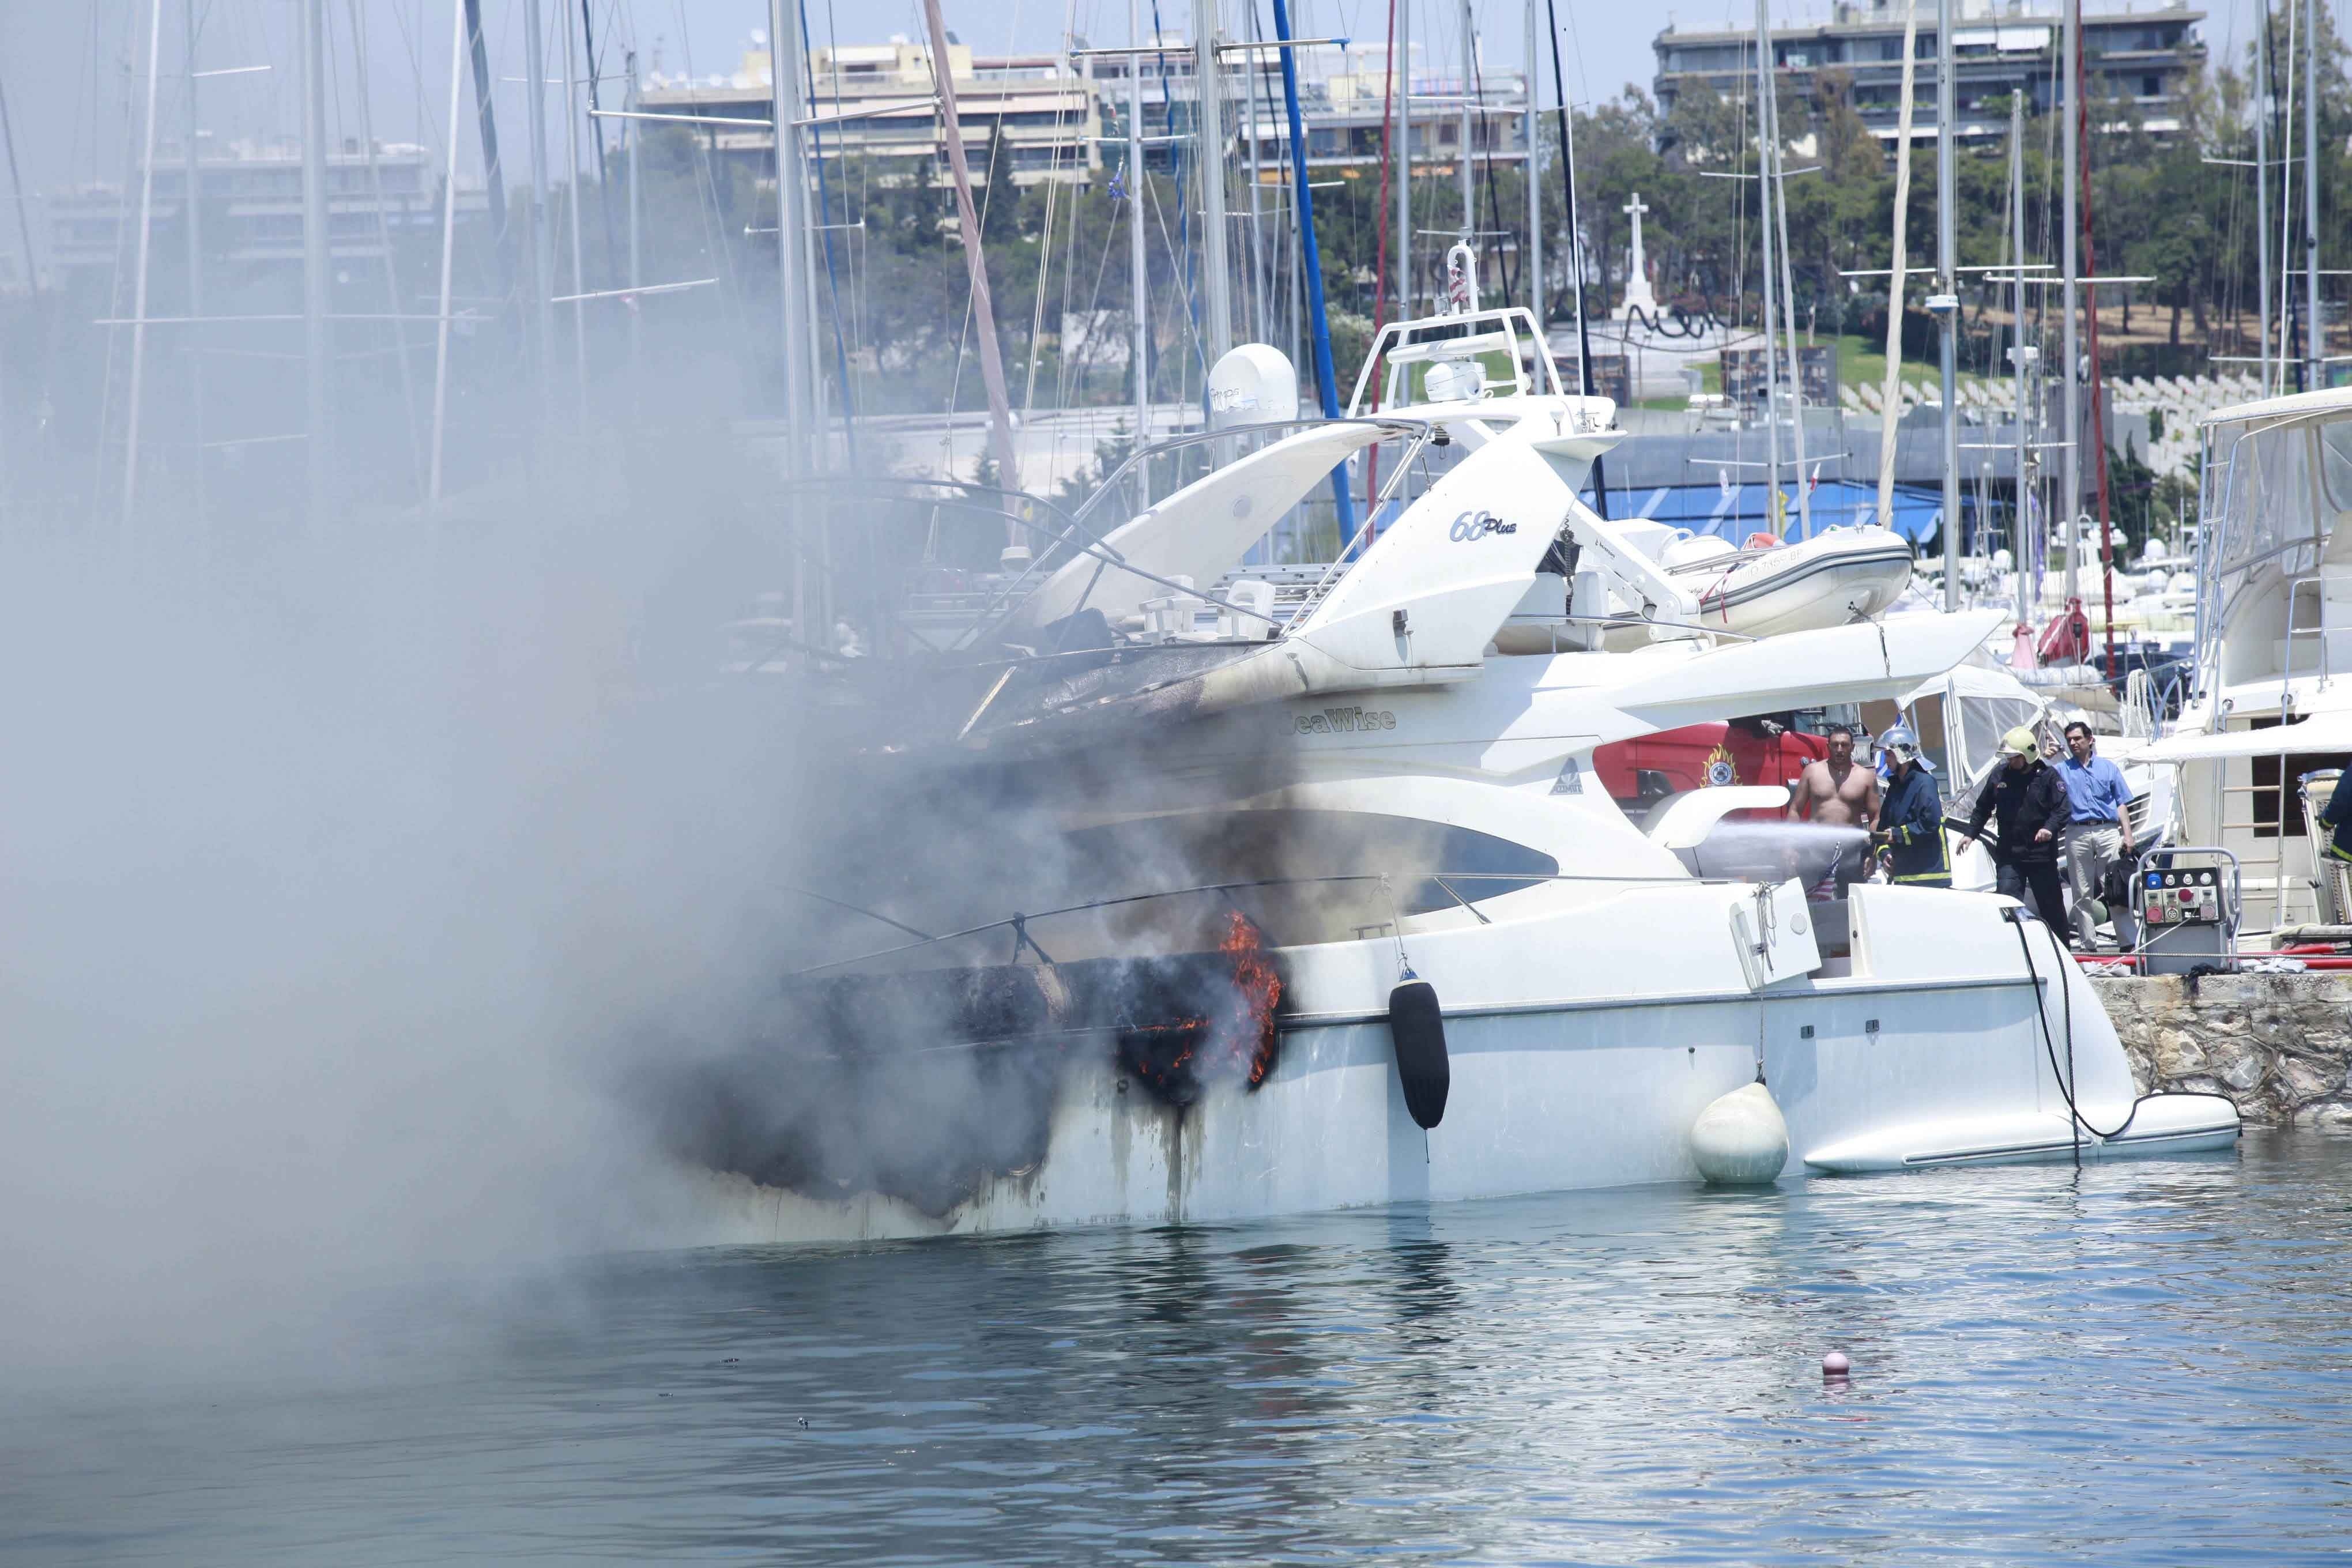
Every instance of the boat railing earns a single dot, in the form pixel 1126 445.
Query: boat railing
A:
pixel 1017 925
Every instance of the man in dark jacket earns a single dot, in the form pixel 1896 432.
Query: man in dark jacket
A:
pixel 1911 816
pixel 2032 803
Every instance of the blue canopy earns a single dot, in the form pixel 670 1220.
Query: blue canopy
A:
pixel 1736 510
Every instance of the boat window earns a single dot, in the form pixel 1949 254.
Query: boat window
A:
pixel 2271 501
pixel 2336 465
pixel 1211 847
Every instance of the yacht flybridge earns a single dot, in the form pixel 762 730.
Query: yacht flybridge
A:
pixel 1334 911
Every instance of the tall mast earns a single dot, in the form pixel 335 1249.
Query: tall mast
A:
pixel 572 213
pixel 1139 325
pixel 1764 190
pixel 448 255
pixel 1210 142
pixel 2313 348
pixel 1775 171
pixel 2070 142
pixel 2262 183
pixel 1948 286
pixel 1891 397
pixel 983 310
pixel 1402 137
pixel 139 288
pixel 1469 75
pixel 2017 543
pixel 637 215
pixel 542 250
pixel 1326 384
pixel 192 221
pixel 1575 246
pixel 1534 258
pixel 314 252
pixel 1257 291
pixel 791 227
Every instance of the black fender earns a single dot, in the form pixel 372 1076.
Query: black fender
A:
pixel 1417 1030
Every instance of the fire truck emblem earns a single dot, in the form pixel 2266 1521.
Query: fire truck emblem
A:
pixel 1720 769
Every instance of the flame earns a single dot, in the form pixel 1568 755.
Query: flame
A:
pixel 1234 1036
pixel 1257 989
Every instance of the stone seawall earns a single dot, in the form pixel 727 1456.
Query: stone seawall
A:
pixel 2279 1044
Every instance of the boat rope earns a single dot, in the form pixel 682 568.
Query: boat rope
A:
pixel 2015 915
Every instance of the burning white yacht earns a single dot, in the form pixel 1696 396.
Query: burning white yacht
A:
pixel 1361 925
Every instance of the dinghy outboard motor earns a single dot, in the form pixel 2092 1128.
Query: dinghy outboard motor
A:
pixel 1417 1029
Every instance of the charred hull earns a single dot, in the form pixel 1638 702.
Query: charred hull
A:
pixel 928 1086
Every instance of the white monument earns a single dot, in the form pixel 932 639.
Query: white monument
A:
pixel 1637 271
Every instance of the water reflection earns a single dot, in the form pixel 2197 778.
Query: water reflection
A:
pixel 2047 1365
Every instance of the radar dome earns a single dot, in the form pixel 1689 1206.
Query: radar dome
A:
pixel 1253 384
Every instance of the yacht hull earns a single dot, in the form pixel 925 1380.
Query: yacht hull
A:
pixel 1554 1090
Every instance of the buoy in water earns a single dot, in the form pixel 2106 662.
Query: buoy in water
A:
pixel 1740 1140
pixel 1834 1364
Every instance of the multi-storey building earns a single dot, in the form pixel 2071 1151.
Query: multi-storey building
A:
pixel 250 197
pixel 876 101
pixel 1065 116
pixel 2151 59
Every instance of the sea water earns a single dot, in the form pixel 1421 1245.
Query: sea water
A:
pixel 2136 1362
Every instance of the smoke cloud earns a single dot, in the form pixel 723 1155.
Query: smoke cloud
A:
pixel 344 875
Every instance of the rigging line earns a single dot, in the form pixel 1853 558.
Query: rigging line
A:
pixel 596 124
pixel 1046 237
pixel 1494 198
pixel 383 234
pixel 1184 207
pixel 825 218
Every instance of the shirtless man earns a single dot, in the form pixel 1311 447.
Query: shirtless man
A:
pixel 1836 793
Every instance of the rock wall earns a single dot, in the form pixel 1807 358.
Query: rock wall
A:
pixel 2279 1044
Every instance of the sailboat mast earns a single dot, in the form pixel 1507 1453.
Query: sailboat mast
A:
pixel 542 241
pixel 139 288
pixel 1534 258
pixel 1139 323
pixel 1777 171
pixel 792 224
pixel 1469 108
pixel 1948 286
pixel 983 310
pixel 448 254
pixel 2263 185
pixel 191 222
pixel 1401 63
pixel 315 346
pixel 2313 348
pixel 1211 141
pixel 2070 469
pixel 1764 213
pixel 2020 548
pixel 1326 384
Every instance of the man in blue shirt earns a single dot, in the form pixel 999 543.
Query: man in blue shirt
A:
pixel 2098 832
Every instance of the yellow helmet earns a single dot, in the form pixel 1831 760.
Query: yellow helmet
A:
pixel 2020 743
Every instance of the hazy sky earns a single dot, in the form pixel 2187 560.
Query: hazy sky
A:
pixel 74 74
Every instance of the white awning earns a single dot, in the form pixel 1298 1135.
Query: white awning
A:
pixel 2322 733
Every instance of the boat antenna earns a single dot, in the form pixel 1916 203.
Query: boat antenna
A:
pixel 1575 247
pixel 1325 386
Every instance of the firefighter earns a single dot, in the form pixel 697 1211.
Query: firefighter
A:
pixel 1911 815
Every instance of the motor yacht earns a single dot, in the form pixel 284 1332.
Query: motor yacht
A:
pixel 1315 899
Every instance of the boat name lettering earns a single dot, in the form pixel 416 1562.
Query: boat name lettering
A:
pixel 1345 722
pixel 1478 525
